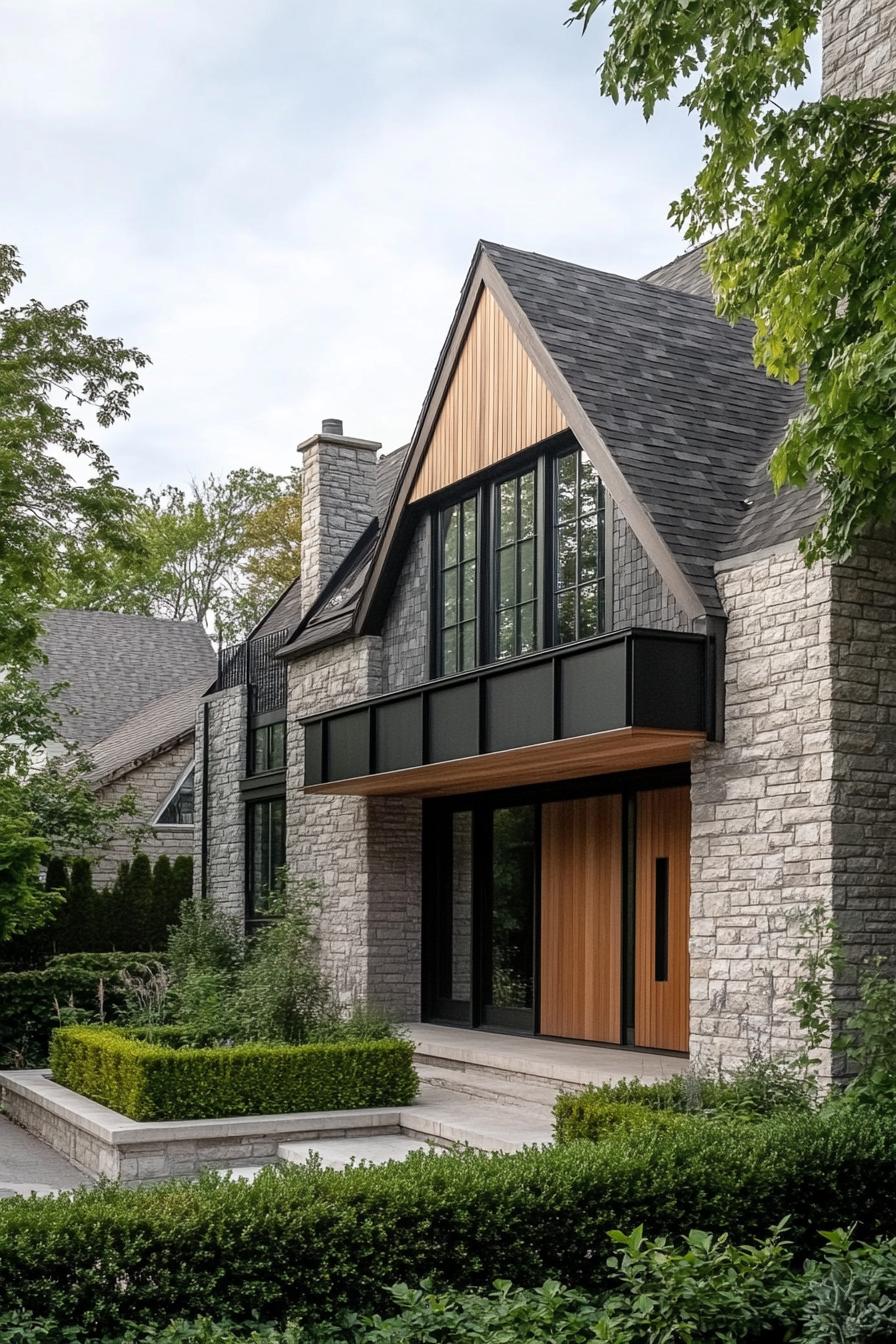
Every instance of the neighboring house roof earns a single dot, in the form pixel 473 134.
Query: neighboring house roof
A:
pixel 156 728
pixel 117 664
pixel 685 273
pixel 286 612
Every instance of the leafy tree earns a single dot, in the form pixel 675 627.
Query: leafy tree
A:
pixel 54 374
pixel 165 901
pixel 802 199
pixel 218 553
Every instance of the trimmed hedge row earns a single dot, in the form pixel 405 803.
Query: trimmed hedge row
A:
pixel 312 1242
pixel 28 999
pixel 148 1079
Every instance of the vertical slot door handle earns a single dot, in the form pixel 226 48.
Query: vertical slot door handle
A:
pixel 661 921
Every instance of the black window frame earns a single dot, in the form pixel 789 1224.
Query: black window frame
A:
pixel 266 730
pixel 456 569
pixel 542 459
pixel 513 548
pixel 254 808
pixel 601 548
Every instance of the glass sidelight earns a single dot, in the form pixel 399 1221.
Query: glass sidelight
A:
pixel 509 927
pixel 480 929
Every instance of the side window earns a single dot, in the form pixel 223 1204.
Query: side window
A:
pixel 457 594
pixel 516 563
pixel 266 848
pixel 178 809
pixel 267 748
pixel 579 549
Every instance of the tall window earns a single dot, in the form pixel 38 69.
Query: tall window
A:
pixel 516 580
pixel 579 556
pixel 266 839
pixel 267 748
pixel 457 587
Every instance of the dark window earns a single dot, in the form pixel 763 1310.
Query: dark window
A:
pixel 579 549
pixel 266 840
pixel 515 577
pixel 457 587
pixel 267 748
pixel 178 811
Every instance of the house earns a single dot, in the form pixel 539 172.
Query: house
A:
pixel 556 715
pixel 131 687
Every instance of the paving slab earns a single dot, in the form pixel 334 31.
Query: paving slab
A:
pixel 29 1166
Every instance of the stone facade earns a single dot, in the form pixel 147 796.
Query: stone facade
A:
pixel 226 820
pixel 797 807
pixel 859 47
pixel 151 784
pixel 761 808
pixel 863 801
pixel 365 854
pixel 338 501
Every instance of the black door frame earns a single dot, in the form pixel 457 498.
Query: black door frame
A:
pixel 436 873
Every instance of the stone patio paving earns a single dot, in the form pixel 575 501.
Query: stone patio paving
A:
pixel 28 1166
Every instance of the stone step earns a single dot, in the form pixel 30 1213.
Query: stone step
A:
pixel 454 1118
pixel 373 1149
pixel 489 1086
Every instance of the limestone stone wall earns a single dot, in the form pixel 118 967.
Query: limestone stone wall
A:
pixel 226 820
pixel 338 502
pixel 151 784
pixel 762 808
pixel 863 667
pixel 859 47
pixel 365 854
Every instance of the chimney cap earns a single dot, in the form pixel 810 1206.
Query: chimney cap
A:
pixel 331 426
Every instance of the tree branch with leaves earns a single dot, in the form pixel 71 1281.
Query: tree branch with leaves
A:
pixel 802 200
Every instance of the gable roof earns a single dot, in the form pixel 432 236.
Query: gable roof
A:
pixel 157 727
pixel 115 664
pixel 672 391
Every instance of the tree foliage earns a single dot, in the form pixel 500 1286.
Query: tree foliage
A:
pixel 802 200
pixel 219 552
pixel 59 499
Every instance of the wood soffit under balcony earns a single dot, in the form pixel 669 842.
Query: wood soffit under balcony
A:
pixel 572 758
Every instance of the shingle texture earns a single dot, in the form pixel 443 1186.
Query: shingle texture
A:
pixel 117 664
pixel 672 390
pixel 162 722
pixel 685 274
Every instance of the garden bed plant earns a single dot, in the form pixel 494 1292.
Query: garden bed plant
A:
pixel 228 1027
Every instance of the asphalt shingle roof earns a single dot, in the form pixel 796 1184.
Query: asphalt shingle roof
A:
pixel 684 273
pixel 116 664
pixel 165 721
pixel 671 388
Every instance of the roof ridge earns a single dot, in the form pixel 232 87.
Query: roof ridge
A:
pixel 640 281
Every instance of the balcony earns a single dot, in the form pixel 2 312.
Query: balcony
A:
pixel 629 700
pixel 252 663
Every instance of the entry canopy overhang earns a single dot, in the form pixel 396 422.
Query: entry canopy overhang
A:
pixel 630 700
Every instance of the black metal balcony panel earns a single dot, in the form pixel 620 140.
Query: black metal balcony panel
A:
pixel 633 680
pixel 253 663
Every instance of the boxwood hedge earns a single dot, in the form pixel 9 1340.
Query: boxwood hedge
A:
pixel 311 1242
pixel 155 1079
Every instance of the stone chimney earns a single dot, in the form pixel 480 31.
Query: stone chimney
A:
pixel 858 48
pixel 338 501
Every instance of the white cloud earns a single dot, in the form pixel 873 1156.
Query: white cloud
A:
pixel 278 201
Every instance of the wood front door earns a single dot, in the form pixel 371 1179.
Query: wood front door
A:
pixel 581 918
pixel 662 899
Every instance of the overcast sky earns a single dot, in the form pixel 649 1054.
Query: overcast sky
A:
pixel 277 200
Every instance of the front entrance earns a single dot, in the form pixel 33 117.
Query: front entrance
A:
pixel 562 916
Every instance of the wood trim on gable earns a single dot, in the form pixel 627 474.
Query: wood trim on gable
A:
pixel 495 405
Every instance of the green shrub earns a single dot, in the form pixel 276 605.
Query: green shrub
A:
pixel 588 1117
pixel 165 901
pixel 282 995
pixel 853 1299
pixel 312 1242
pixel 152 1080
pixel 29 1000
